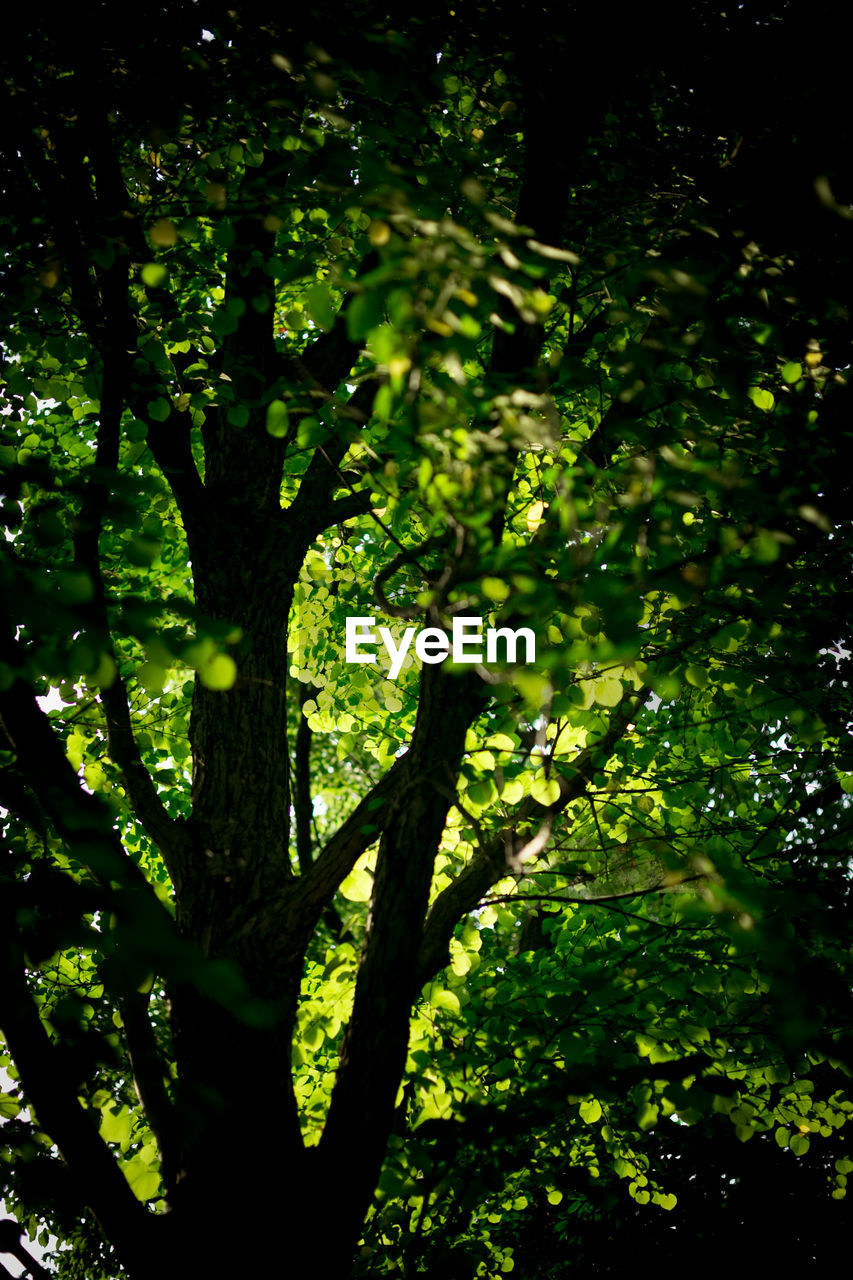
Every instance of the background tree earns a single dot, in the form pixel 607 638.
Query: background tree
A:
pixel 420 317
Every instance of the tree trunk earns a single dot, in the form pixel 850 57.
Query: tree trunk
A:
pixel 234 1054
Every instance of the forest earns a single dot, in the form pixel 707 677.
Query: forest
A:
pixel 425 641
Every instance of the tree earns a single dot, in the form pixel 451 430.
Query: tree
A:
pixel 418 318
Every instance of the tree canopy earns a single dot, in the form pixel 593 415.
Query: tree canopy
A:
pixel 468 967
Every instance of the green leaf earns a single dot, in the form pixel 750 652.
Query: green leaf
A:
pixel 238 415
pixel 590 1111
pixel 319 299
pixel 144 1181
pixel 159 410
pixel 495 588
pixel 358 885
pixel 116 1126
pixel 440 998
pixel 557 885
pixel 277 419
pixel 154 275
pixel 219 672
pixel 545 790
pixel 607 691
pixel 761 398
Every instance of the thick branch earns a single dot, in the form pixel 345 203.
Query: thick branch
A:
pixel 313 509
pixel 5 1274
pixel 343 509
pixel 331 356
pixel 373 1051
pixel 149 1074
pixel 374 1046
pixel 80 818
pixel 339 855
pixel 169 441
pixel 106 316
pixel 248 461
pixel 171 447
pixel 166 832
pixel 502 855
pixel 162 829
pixel 54 1096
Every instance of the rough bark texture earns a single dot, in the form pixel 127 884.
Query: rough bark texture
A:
pixel 238 900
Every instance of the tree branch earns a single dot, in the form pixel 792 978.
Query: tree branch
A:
pixel 343 509
pixel 312 510
pixel 81 818
pixel 171 447
pixel 106 317
pixel 149 1074
pixel 143 795
pixel 505 852
pixel 373 1051
pixel 53 1094
pixel 332 355
pixel 598 899
pixel 374 1046
pixel 249 461
pixel 316 887
pixel 302 807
